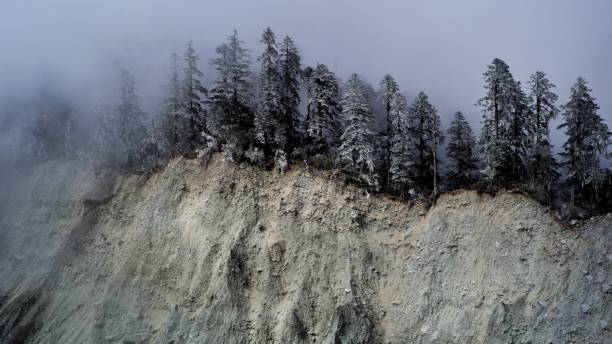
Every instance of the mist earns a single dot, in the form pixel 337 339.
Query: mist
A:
pixel 442 48
pixel 134 209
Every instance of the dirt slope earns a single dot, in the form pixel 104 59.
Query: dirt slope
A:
pixel 223 254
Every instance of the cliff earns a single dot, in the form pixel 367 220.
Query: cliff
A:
pixel 227 254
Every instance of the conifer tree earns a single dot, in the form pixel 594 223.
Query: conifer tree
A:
pixel 322 125
pixel 504 109
pixel 517 134
pixel 388 88
pixel 401 154
pixel 424 129
pixel 461 152
pixel 132 130
pixel 287 134
pixel 192 114
pixel 541 164
pixel 307 81
pixel 588 138
pixel 169 120
pixel 230 100
pixel 356 150
pixel 121 133
pixel 269 108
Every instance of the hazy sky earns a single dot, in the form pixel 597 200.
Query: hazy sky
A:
pixel 440 47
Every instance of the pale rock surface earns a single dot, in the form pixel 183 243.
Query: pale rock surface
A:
pixel 227 254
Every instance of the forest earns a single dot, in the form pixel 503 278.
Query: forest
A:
pixel 272 111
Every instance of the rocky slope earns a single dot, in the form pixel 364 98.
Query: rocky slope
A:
pixel 226 254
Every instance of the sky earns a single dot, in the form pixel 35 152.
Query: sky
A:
pixel 439 47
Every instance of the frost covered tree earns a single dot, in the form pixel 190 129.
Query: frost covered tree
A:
pixel 401 148
pixel 424 129
pixel 307 82
pixel 461 152
pixel 287 135
pixel 517 134
pixel 231 117
pixel 132 130
pixel 356 151
pixel 541 164
pixel 503 134
pixel 171 106
pixel 495 104
pixel 122 132
pixel 192 115
pixel 322 127
pixel 587 140
pixel 267 115
pixel 387 90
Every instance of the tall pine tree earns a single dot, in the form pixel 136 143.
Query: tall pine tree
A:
pixel 307 81
pixel 356 151
pixel 461 152
pixel 287 135
pixel 170 112
pixel 269 108
pixel 132 131
pixel 192 121
pixel 401 151
pixel 541 164
pixel 424 129
pixel 322 128
pixel 588 138
pixel 517 137
pixel 502 137
pixel 121 132
pixel 387 90
pixel 231 119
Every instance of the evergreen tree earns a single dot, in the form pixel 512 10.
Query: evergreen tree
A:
pixel 322 124
pixel 192 115
pixel 517 136
pixel 541 164
pixel 230 101
pixel 356 150
pixel 424 129
pixel 307 81
pixel 132 130
pixel 287 134
pixel 587 140
pixel 388 89
pixel 461 152
pixel 268 111
pixel 121 133
pixel 501 143
pixel 169 120
pixel 401 155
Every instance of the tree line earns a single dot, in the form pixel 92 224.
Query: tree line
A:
pixel 286 112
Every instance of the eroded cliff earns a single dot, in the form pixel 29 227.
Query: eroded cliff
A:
pixel 226 254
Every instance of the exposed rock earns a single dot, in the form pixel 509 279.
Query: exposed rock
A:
pixel 223 254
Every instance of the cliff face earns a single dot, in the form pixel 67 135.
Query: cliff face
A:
pixel 221 254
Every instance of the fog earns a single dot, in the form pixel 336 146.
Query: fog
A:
pixel 440 47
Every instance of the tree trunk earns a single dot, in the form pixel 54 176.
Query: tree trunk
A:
pixel 435 163
pixel 386 174
pixel 496 112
